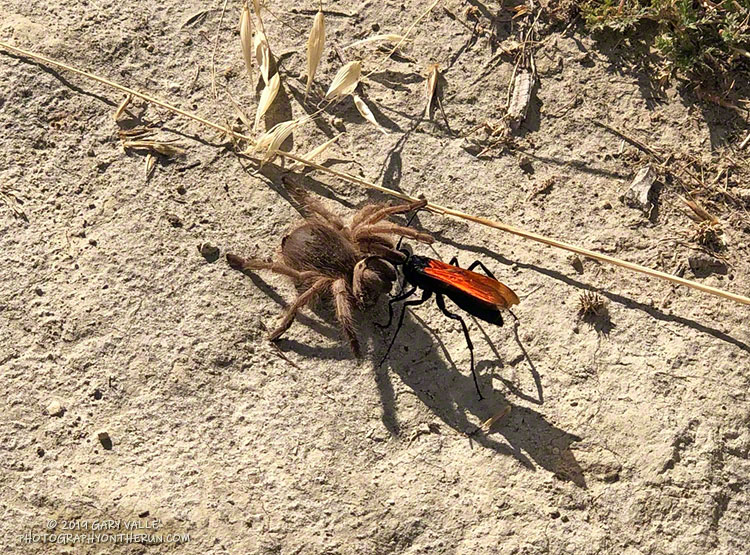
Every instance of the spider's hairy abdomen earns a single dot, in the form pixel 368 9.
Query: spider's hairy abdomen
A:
pixel 320 248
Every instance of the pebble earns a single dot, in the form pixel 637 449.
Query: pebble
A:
pixel 55 408
pixel 104 439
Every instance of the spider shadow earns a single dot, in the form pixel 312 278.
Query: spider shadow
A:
pixel 450 394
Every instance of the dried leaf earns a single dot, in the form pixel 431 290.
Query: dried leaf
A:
pixel 267 97
pixel 164 149
pixel 432 80
pixel 376 38
pixel 315 48
pixel 699 214
pixel 345 81
pixel 367 113
pixel 150 165
pixel 271 140
pixel 521 10
pixel 122 106
pixel 262 53
pixel 314 153
pixel 246 39
pixel 256 7
pixel 487 424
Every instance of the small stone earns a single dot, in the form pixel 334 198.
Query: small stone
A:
pixel 576 263
pixel 55 408
pixel 174 220
pixel 524 162
pixel 92 242
pixel 39 291
pixel 640 194
pixel 181 190
pixel 40 451
pixel 104 439
pixel 704 265
pixel 209 252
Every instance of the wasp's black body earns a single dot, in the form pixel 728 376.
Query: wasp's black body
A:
pixel 479 295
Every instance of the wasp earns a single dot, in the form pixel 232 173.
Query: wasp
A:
pixel 480 295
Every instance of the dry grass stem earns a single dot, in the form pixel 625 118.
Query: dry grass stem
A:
pixel 377 38
pixel 346 81
pixel 443 210
pixel 267 97
pixel 366 113
pixel 314 153
pixel 432 80
pixel 315 48
pixel 246 40
pixel 240 112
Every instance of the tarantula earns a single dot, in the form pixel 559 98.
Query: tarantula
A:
pixel 353 263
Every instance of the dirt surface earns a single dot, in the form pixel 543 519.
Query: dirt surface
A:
pixel 137 381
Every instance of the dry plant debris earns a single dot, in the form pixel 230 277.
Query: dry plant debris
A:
pixel 266 98
pixel 315 48
pixel 246 39
pixel 366 113
pixel 591 304
pixel 377 38
pixel 346 80
pixel 431 86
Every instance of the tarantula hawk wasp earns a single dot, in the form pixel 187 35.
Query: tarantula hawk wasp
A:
pixel 480 295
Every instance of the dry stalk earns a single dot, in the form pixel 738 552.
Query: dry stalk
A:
pixel 364 183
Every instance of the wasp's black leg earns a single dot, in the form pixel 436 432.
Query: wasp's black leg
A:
pixel 486 271
pixel 452 316
pixel 400 297
pixel 425 296
pixel 454 262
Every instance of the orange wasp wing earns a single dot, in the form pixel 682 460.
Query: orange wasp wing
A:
pixel 482 287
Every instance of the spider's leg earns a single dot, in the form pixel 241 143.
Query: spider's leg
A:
pixel 301 301
pixel 452 316
pixel 426 294
pixel 386 211
pixel 343 302
pixel 385 227
pixel 400 297
pixel 249 264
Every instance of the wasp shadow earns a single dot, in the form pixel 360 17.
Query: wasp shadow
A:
pixel 424 363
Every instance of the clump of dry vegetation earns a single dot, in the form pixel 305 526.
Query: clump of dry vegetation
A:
pixel 703 41
pixel 590 305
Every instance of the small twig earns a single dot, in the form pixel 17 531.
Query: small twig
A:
pixel 403 38
pixel 743 144
pixel 443 210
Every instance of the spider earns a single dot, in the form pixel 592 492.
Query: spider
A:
pixel 354 263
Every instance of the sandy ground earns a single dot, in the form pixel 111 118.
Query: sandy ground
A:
pixel 136 379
